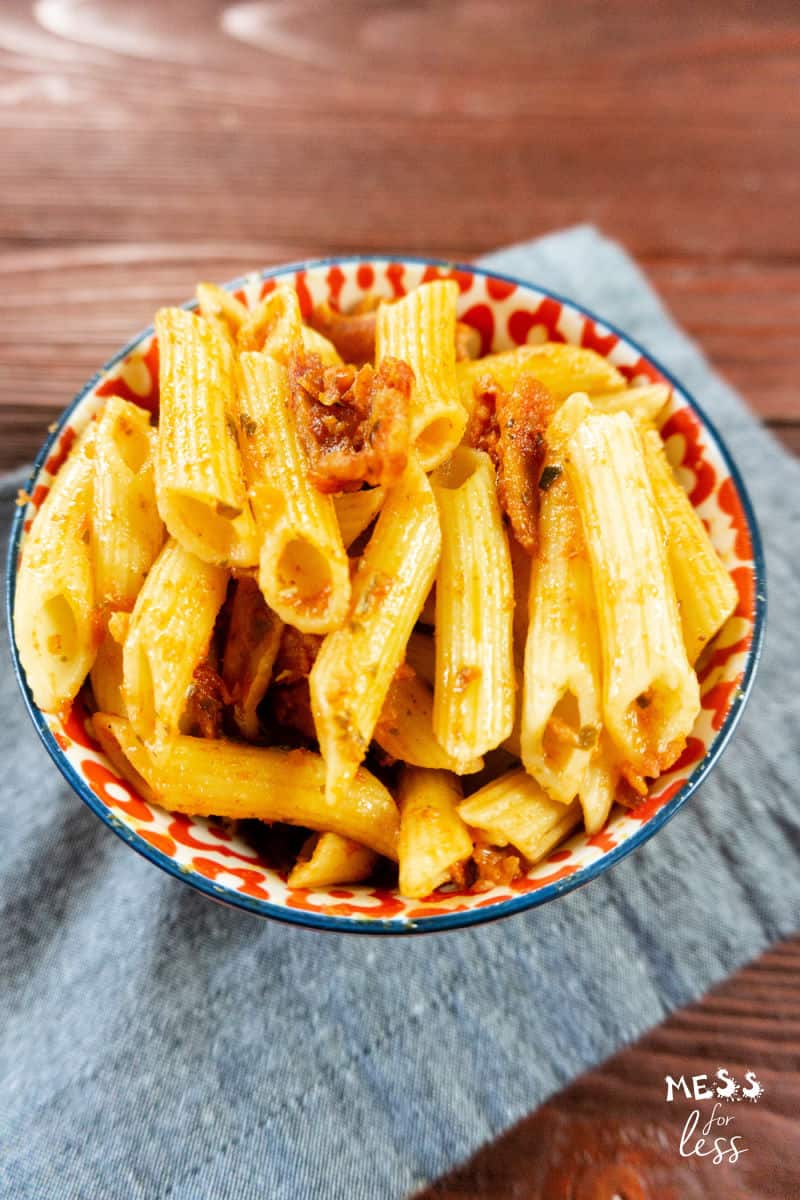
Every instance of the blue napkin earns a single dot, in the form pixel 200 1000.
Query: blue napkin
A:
pixel 156 1046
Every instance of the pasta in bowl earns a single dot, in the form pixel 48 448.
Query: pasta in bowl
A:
pixel 383 595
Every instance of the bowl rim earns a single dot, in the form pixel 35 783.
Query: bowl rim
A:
pixel 358 924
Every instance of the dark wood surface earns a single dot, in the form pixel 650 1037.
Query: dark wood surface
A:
pixel 146 145
pixel 612 1133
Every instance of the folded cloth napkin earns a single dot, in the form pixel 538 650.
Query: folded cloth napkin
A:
pixel 157 1046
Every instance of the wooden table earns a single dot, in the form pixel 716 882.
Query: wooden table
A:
pixel 147 145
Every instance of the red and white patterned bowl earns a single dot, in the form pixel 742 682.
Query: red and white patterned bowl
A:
pixel 506 312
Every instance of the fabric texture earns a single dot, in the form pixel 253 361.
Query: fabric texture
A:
pixel 156 1046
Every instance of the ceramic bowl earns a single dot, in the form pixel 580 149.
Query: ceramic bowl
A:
pixel 506 312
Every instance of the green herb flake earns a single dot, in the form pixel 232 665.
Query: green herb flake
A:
pixel 549 476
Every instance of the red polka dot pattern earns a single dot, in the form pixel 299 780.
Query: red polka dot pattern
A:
pixel 365 277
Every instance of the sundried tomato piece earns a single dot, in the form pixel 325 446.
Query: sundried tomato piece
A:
pixel 354 424
pixel 207 699
pixel 522 418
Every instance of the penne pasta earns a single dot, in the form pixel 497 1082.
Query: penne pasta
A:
pixel 473 705
pixel 199 482
pixel 643 403
pixel 433 839
pixel 355 511
pixel 559 367
pixel 468 341
pixel 405 727
pixel 54 604
pixel 356 664
pixel 515 809
pixel 106 673
pixel 116 736
pixel 650 693
pixel 316 343
pixel 251 647
pixel 275 326
pixel 561 704
pixel 303 568
pixel 420 330
pixel 272 560
pixel 222 310
pixel 128 531
pixel 513 743
pixel 328 858
pixel 706 593
pixel 521 565
pixel 598 786
pixel 169 635
pixel 230 779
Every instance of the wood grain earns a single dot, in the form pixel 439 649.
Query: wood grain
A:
pixel 146 145
pixel 612 1133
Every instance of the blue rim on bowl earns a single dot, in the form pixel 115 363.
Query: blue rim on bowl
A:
pixel 443 921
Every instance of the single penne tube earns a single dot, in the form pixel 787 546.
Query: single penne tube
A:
pixel 559 367
pixel 468 342
pixel 355 511
pixel 221 309
pixel 405 727
pixel 566 419
pixel 598 786
pixel 106 676
pixel 642 403
pixel 116 736
pixel 521 564
pixel 357 663
pixel 251 647
pixel 222 778
pixel 473 705
pixel 557 832
pixel 275 326
pixel 315 342
pixel 515 810
pixel 55 628
pixel 199 482
pixel 650 693
pixel 513 743
pixel 328 858
pixel 128 531
pixel 561 699
pixel 433 838
pixel 303 568
pixel 420 330
pixel 706 593
pixel 168 636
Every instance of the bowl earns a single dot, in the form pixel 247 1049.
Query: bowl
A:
pixel 506 312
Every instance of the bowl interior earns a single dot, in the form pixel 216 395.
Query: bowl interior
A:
pixel 506 313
